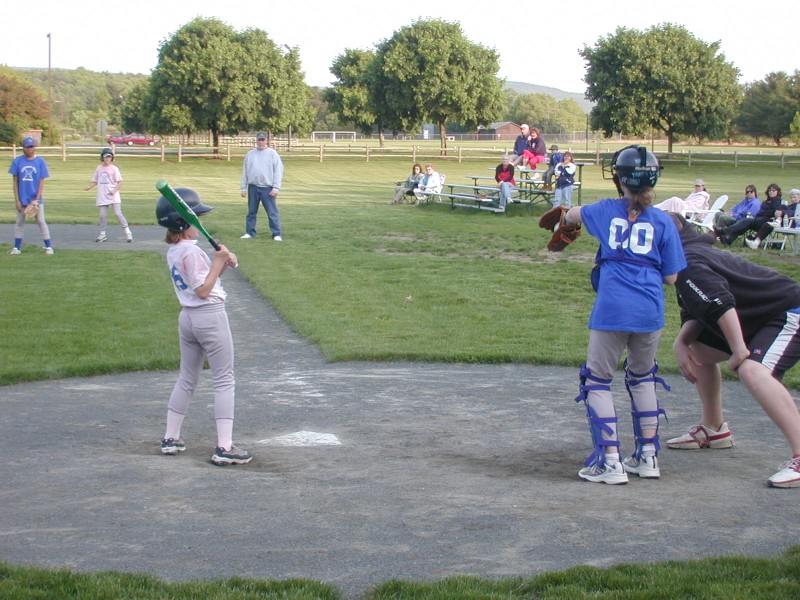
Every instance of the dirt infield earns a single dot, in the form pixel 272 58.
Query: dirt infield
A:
pixel 440 469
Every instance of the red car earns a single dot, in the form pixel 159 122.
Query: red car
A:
pixel 129 139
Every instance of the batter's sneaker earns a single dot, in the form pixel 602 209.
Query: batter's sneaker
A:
pixel 788 476
pixel 234 456
pixel 102 237
pixel 605 473
pixel 172 446
pixel 702 436
pixel 645 467
pixel 15 251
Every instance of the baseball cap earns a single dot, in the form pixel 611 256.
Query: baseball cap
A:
pixel 28 142
pixel 553 147
pixel 699 182
pixel 261 136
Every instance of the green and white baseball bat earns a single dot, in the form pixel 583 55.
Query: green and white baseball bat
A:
pixel 184 210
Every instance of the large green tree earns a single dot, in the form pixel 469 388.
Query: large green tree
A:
pixel 547 113
pixel 769 106
pixel 429 72
pixel 22 106
pixel 210 77
pixel 349 96
pixel 662 79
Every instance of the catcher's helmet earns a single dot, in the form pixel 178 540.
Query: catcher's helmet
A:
pixel 106 152
pixel 168 217
pixel 636 168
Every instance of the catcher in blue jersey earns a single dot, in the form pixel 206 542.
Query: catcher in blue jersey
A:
pixel 640 250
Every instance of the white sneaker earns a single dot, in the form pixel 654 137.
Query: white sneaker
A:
pixel 129 239
pixel 15 251
pixel 278 238
pixel 246 236
pixel 701 436
pixel 48 251
pixel 645 467
pixel 102 237
pixel 753 244
pixel 788 476
pixel 605 473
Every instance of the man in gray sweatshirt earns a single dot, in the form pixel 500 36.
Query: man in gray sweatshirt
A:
pixel 261 181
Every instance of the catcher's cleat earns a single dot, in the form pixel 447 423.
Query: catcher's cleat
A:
pixel 605 473
pixel 702 436
pixel 645 467
pixel 788 476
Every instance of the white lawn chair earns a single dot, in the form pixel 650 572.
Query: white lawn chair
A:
pixel 705 218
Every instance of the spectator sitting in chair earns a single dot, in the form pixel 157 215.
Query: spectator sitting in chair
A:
pixel 748 207
pixel 697 200
pixel 788 213
pixel 768 211
pixel 406 188
pixel 431 183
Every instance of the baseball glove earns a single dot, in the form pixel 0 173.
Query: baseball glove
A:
pixel 31 210
pixel 563 233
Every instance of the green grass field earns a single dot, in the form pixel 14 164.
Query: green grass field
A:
pixel 363 280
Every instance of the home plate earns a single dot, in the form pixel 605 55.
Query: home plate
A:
pixel 303 438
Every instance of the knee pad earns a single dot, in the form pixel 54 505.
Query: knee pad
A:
pixel 597 425
pixel 636 379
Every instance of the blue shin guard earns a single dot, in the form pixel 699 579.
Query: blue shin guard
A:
pixel 633 380
pixel 597 425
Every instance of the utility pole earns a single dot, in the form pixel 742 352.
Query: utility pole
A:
pixel 49 94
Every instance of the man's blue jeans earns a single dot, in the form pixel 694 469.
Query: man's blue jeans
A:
pixel 261 195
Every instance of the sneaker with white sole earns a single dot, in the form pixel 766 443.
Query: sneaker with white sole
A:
pixel 48 251
pixel 172 446
pixel 234 456
pixel 645 467
pixel 129 239
pixel 788 476
pixel 702 436
pixel 15 251
pixel 753 244
pixel 246 236
pixel 102 237
pixel 278 238
pixel 604 473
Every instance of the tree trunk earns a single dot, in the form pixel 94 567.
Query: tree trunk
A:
pixel 215 140
pixel 443 136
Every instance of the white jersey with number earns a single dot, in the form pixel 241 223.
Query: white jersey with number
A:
pixel 189 266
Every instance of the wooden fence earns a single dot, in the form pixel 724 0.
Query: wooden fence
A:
pixel 411 152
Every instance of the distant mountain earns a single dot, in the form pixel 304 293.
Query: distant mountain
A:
pixel 530 88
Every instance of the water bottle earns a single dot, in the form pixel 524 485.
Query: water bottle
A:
pixel 786 220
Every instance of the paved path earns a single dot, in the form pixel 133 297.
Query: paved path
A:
pixel 441 469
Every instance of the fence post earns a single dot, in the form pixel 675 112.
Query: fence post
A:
pixel 367 153
pixel 180 152
pixel 783 158
pixel 162 152
pixel 735 159
pixel 459 154
pixel 63 152
pixel 689 162
pixel 229 152
pixel 413 154
pixel 321 151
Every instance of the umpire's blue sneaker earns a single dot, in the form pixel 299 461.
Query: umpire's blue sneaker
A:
pixel 171 446
pixel 234 456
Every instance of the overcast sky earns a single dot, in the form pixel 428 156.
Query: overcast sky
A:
pixel 538 42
